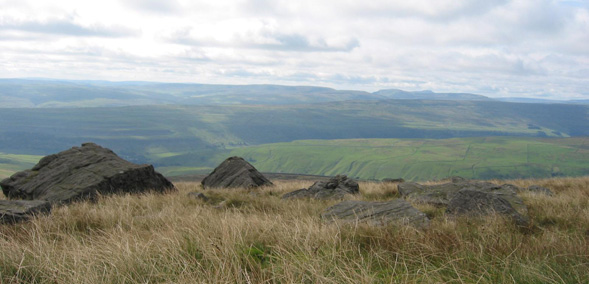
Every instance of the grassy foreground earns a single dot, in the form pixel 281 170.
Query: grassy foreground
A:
pixel 258 238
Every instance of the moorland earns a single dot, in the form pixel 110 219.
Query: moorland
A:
pixel 256 237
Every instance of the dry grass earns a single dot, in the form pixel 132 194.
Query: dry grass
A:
pixel 258 238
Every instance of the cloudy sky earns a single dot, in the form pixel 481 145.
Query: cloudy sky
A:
pixel 521 48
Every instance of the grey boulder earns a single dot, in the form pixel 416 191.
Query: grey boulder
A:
pixel 474 202
pixel 335 188
pixel 12 211
pixel 235 172
pixel 397 211
pixel 83 173
pixel 441 194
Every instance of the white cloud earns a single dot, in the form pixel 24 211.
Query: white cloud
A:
pixel 496 48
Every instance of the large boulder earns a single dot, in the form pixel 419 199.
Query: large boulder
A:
pixel 396 211
pixel 335 188
pixel 82 173
pixel 474 202
pixel 12 211
pixel 441 194
pixel 235 172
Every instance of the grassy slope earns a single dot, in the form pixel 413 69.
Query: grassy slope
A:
pixel 259 238
pixel 413 159
pixel 10 163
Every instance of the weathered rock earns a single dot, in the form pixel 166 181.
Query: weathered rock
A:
pixel 474 202
pixel 82 173
pixel 440 194
pixel 396 211
pixel 392 180
pixel 235 172
pixel 456 179
pixel 335 188
pixel 12 211
pixel 198 195
pixel 540 189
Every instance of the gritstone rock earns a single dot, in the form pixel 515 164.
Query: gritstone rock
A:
pixel 335 188
pixel 198 195
pixel 441 194
pixel 396 211
pixel 474 202
pixel 235 172
pixel 12 211
pixel 82 173
pixel 392 180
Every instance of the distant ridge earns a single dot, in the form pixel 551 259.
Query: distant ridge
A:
pixel 429 95
pixel 48 93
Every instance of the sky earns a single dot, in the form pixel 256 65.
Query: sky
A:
pixel 498 48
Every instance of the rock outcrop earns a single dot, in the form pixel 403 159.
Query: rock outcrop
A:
pixel 392 180
pixel 82 173
pixel 335 188
pixel 12 211
pixel 235 172
pixel 474 202
pixel 441 194
pixel 396 211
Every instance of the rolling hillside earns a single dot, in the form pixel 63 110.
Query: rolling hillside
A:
pixel 411 159
pixel 425 159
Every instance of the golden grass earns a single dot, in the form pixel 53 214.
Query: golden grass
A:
pixel 258 238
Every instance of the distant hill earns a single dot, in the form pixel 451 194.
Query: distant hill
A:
pixel 54 94
pixel 45 93
pixel 542 101
pixel 156 133
pixel 429 95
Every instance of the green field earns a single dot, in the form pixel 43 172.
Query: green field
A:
pixel 411 159
pixel 10 163
pixel 425 159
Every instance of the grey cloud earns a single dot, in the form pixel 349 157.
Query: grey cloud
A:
pixel 154 6
pixel 298 42
pixel 65 27
pixel 445 13
pixel 279 42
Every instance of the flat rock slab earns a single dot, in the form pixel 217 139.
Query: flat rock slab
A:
pixel 12 211
pixel 396 211
pixel 82 173
pixel 335 188
pixel 474 202
pixel 235 172
pixel 441 194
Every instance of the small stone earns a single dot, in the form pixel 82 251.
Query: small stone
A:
pixel 198 195
pixel 540 190
pixel 393 180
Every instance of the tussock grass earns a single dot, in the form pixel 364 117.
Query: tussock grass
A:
pixel 242 236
